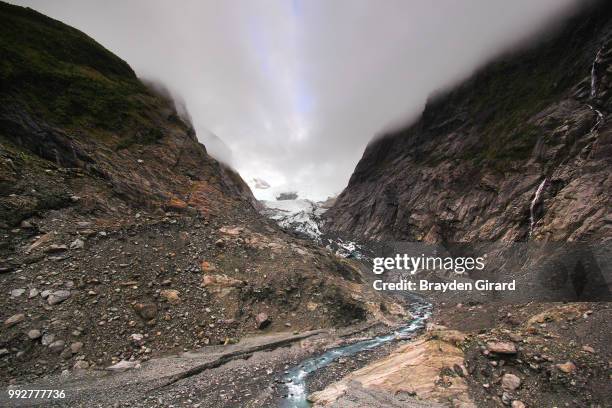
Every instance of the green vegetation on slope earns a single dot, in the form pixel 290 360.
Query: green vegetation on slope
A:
pixel 67 79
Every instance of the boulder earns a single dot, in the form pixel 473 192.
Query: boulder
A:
pixel 567 367
pixel 14 319
pixel 47 339
pixel 54 249
pixel 501 347
pixel 262 320
pixel 57 346
pixel 77 244
pixel 147 311
pixel 15 293
pixel 76 347
pixel 207 266
pixel 124 365
pixel 81 365
pixel 510 382
pixel 58 296
pixel 171 295
pixel 588 349
pixel 34 334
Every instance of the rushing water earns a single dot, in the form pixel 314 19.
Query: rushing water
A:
pixel 296 377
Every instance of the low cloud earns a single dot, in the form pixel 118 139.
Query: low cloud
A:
pixel 292 91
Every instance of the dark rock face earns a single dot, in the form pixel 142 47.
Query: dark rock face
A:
pixel 68 103
pixel 520 151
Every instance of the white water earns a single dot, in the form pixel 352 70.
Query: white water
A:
pixel 600 116
pixel 534 203
pixel 596 61
pixel 296 377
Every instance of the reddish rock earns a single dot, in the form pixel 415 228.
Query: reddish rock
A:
pixel 567 367
pixel 207 266
pixel 147 311
pixel 262 321
pixel 13 320
pixel 510 382
pixel 171 295
pixel 501 347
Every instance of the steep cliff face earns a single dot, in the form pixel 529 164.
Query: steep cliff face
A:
pixel 522 150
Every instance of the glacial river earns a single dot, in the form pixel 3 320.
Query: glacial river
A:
pixel 296 377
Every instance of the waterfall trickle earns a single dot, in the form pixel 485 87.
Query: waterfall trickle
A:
pixel 596 61
pixel 600 115
pixel 534 203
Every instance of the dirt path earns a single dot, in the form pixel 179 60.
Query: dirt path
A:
pixel 243 374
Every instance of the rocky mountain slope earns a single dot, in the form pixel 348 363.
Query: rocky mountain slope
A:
pixel 122 238
pixel 520 151
pixel 513 164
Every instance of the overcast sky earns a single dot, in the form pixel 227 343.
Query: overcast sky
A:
pixel 297 88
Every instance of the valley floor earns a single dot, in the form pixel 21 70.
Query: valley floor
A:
pixel 247 374
pixel 198 348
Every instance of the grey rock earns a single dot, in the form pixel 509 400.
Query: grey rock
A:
pixel 81 365
pixel 34 334
pixel 17 292
pixel 66 354
pixel 76 347
pixel 124 365
pixel 57 346
pixel 26 224
pixel 58 296
pixel 55 248
pixel 77 244
pixel 47 339
pixel 33 293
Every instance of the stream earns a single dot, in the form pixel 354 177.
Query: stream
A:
pixel 296 377
pixel 304 217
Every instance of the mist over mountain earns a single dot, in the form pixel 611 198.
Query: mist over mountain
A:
pixel 171 233
pixel 297 89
